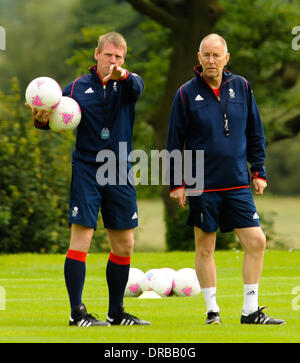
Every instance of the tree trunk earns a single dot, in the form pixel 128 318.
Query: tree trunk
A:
pixel 190 21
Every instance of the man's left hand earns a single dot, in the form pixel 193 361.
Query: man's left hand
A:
pixel 259 186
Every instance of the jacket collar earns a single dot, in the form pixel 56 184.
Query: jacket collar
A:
pixel 225 77
pixel 95 75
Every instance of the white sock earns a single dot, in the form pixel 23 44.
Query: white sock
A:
pixel 250 299
pixel 209 295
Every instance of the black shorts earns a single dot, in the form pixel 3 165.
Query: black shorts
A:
pixel 226 209
pixel 117 203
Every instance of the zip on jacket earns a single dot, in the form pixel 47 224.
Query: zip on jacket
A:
pixel 229 130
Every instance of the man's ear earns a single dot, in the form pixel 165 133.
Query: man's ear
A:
pixel 96 53
pixel 199 58
pixel 227 57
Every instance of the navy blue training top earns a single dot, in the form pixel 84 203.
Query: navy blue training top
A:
pixel 104 107
pixel 197 123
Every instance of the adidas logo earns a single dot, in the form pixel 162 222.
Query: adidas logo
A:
pixel 255 216
pixel 89 90
pixel 135 216
pixel 251 293
pixel 199 98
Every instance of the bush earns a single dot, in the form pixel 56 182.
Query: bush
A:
pixel 35 173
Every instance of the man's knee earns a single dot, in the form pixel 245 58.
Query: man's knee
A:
pixel 204 243
pixel 81 237
pixel 121 241
pixel 253 240
pixel 257 243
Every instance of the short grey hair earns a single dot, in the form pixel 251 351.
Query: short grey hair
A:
pixel 217 36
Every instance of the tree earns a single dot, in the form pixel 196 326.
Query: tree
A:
pixel 38 40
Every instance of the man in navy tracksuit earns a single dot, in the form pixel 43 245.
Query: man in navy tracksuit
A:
pixel 107 97
pixel 216 112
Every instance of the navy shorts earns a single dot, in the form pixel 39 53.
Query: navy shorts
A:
pixel 117 203
pixel 226 210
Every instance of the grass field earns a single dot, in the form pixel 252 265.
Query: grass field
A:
pixel 36 306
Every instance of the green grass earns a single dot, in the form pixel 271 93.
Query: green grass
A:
pixel 37 306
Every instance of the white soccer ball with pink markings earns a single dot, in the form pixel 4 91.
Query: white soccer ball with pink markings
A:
pixel 170 272
pixel 66 116
pixel 133 287
pixel 186 282
pixel 43 93
pixel 158 281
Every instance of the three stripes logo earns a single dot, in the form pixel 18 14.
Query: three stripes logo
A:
pixel 125 321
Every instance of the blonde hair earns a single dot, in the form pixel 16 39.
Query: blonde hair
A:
pixel 115 38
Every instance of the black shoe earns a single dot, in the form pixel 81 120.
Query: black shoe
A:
pixel 83 319
pixel 258 317
pixel 126 319
pixel 213 318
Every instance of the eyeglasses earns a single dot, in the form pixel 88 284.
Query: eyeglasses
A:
pixel 216 56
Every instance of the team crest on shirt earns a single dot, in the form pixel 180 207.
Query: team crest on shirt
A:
pixel 105 133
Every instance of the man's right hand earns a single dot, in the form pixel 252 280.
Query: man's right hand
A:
pixel 179 196
pixel 42 116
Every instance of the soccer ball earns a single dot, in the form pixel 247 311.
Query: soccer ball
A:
pixel 186 283
pixel 158 281
pixel 66 116
pixel 145 283
pixel 133 287
pixel 43 93
pixel 170 272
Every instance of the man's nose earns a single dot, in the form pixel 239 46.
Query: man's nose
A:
pixel 113 59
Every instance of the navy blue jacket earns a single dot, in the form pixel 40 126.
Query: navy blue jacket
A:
pixel 197 123
pixel 111 107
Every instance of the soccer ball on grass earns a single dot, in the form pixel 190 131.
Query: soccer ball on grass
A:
pixel 133 287
pixel 186 282
pixel 158 281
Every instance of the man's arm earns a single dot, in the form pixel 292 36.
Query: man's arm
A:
pixel 256 145
pixel 176 139
pixel 133 82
